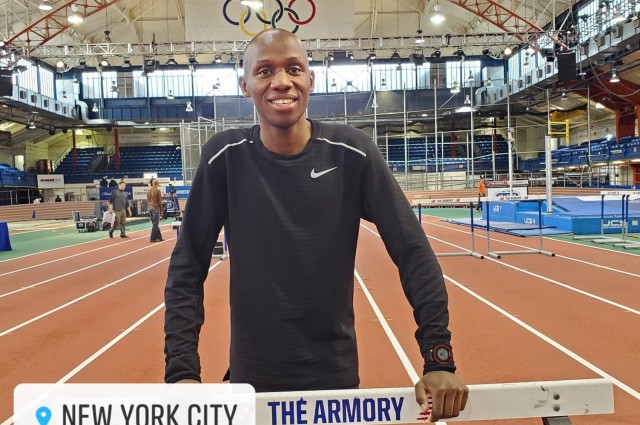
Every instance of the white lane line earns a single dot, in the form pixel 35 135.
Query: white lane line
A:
pixel 101 248
pixel 87 295
pixel 110 344
pixel 24 288
pixel 548 340
pixel 387 330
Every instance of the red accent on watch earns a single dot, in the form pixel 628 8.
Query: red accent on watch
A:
pixel 442 354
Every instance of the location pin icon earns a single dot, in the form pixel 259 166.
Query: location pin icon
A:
pixel 43 415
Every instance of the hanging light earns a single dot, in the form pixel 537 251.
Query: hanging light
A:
pixel 350 55
pixel 470 77
pixel 310 56
pixel 507 51
pixel 170 95
pixel 171 61
pixel 253 4
pixel 60 65
pixel 95 107
pixel 467 100
pixel 64 94
pixel 217 59
pixel 333 84
pixel 455 88
pixel 437 17
pixel 107 37
pixel 372 55
pixel 614 77
pixel 114 88
pixel 395 56
pixel 488 83
pixel 383 83
pixel 75 17
pixel 189 108
pixel 45 5
pixel 104 63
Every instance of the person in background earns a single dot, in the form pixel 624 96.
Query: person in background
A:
pixel 58 198
pixel 154 203
pixel 121 207
pixel 292 314
pixel 37 200
pixel 482 192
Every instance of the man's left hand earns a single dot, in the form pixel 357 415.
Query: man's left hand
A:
pixel 448 394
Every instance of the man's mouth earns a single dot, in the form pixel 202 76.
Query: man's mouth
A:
pixel 282 101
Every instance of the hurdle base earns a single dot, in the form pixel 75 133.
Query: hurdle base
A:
pixel 461 254
pixel 497 254
pixel 556 420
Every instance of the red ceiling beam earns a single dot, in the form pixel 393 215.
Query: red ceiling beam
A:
pixel 55 22
pixel 505 19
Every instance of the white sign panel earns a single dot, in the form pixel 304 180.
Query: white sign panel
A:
pixel 140 192
pixel 50 181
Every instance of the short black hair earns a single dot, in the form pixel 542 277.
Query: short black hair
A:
pixel 121 181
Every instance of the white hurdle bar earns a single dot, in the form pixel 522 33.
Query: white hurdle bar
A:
pixel 419 203
pixel 551 401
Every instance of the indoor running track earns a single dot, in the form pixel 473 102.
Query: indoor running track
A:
pixel 93 313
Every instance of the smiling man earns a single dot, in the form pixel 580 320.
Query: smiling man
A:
pixel 290 193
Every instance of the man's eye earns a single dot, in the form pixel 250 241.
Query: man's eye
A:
pixel 295 70
pixel 263 72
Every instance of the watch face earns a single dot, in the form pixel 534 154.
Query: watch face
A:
pixel 442 354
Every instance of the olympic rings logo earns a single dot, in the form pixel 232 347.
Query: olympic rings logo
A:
pixel 277 16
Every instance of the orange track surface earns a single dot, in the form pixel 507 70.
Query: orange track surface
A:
pixel 585 300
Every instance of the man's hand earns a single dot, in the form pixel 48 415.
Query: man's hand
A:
pixel 448 394
pixel 187 381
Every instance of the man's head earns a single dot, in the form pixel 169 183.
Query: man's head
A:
pixel 122 185
pixel 153 182
pixel 277 78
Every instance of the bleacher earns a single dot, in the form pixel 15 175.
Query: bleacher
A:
pixel 83 159
pixel 601 150
pixel 453 158
pixel 11 176
pixel 165 160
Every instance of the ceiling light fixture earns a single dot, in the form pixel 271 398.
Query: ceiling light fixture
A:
pixel 107 37
pixel 45 5
pixel 614 77
pixel 437 17
pixel 253 4
pixel 189 108
pixel 95 107
pixel 114 88
pixel 74 17
pixel 455 88
pixel 171 61
pixel 170 95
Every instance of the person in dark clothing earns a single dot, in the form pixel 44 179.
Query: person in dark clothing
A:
pixel 58 198
pixel 292 316
pixel 121 207
pixel 154 203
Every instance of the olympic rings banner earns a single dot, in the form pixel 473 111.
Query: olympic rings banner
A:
pixel 226 20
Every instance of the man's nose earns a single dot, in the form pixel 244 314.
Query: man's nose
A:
pixel 281 79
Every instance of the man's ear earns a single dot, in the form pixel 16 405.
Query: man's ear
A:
pixel 243 86
pixel 312 76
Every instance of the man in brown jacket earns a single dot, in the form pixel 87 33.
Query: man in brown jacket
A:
pixel 154 204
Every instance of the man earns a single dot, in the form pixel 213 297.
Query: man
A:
pixel 302 187
pixel 154 204
pixel 119 204
pixel 58 198
pixel 482 192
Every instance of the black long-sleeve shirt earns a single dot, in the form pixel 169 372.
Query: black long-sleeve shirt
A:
pixel 292 224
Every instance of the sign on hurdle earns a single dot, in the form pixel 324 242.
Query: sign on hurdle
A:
pixel 498 254
pixel 625 196
pixel 543 400
pixel 419 203
pixel 226 404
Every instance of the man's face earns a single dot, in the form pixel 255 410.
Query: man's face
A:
pixel 278 79
pixel 122 186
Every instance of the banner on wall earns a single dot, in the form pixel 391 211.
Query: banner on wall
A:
pixel 50 181
pixel 207 20
pixel 105 192
pixel 181 191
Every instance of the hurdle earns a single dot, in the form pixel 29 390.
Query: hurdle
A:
pixel 553 402
pixel 452 201
pixel 498 254
pixel 625 195
pixel 220 249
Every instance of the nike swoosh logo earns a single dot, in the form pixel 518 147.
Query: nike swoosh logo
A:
pixel 315 175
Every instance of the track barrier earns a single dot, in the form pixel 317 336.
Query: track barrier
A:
pixel 623 242
pixel 498 254
pixel 448 202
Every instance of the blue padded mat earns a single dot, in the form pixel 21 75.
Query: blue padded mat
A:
pixel 518 229
pixel 579 207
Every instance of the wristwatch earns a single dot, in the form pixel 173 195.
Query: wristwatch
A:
pixel 441 354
